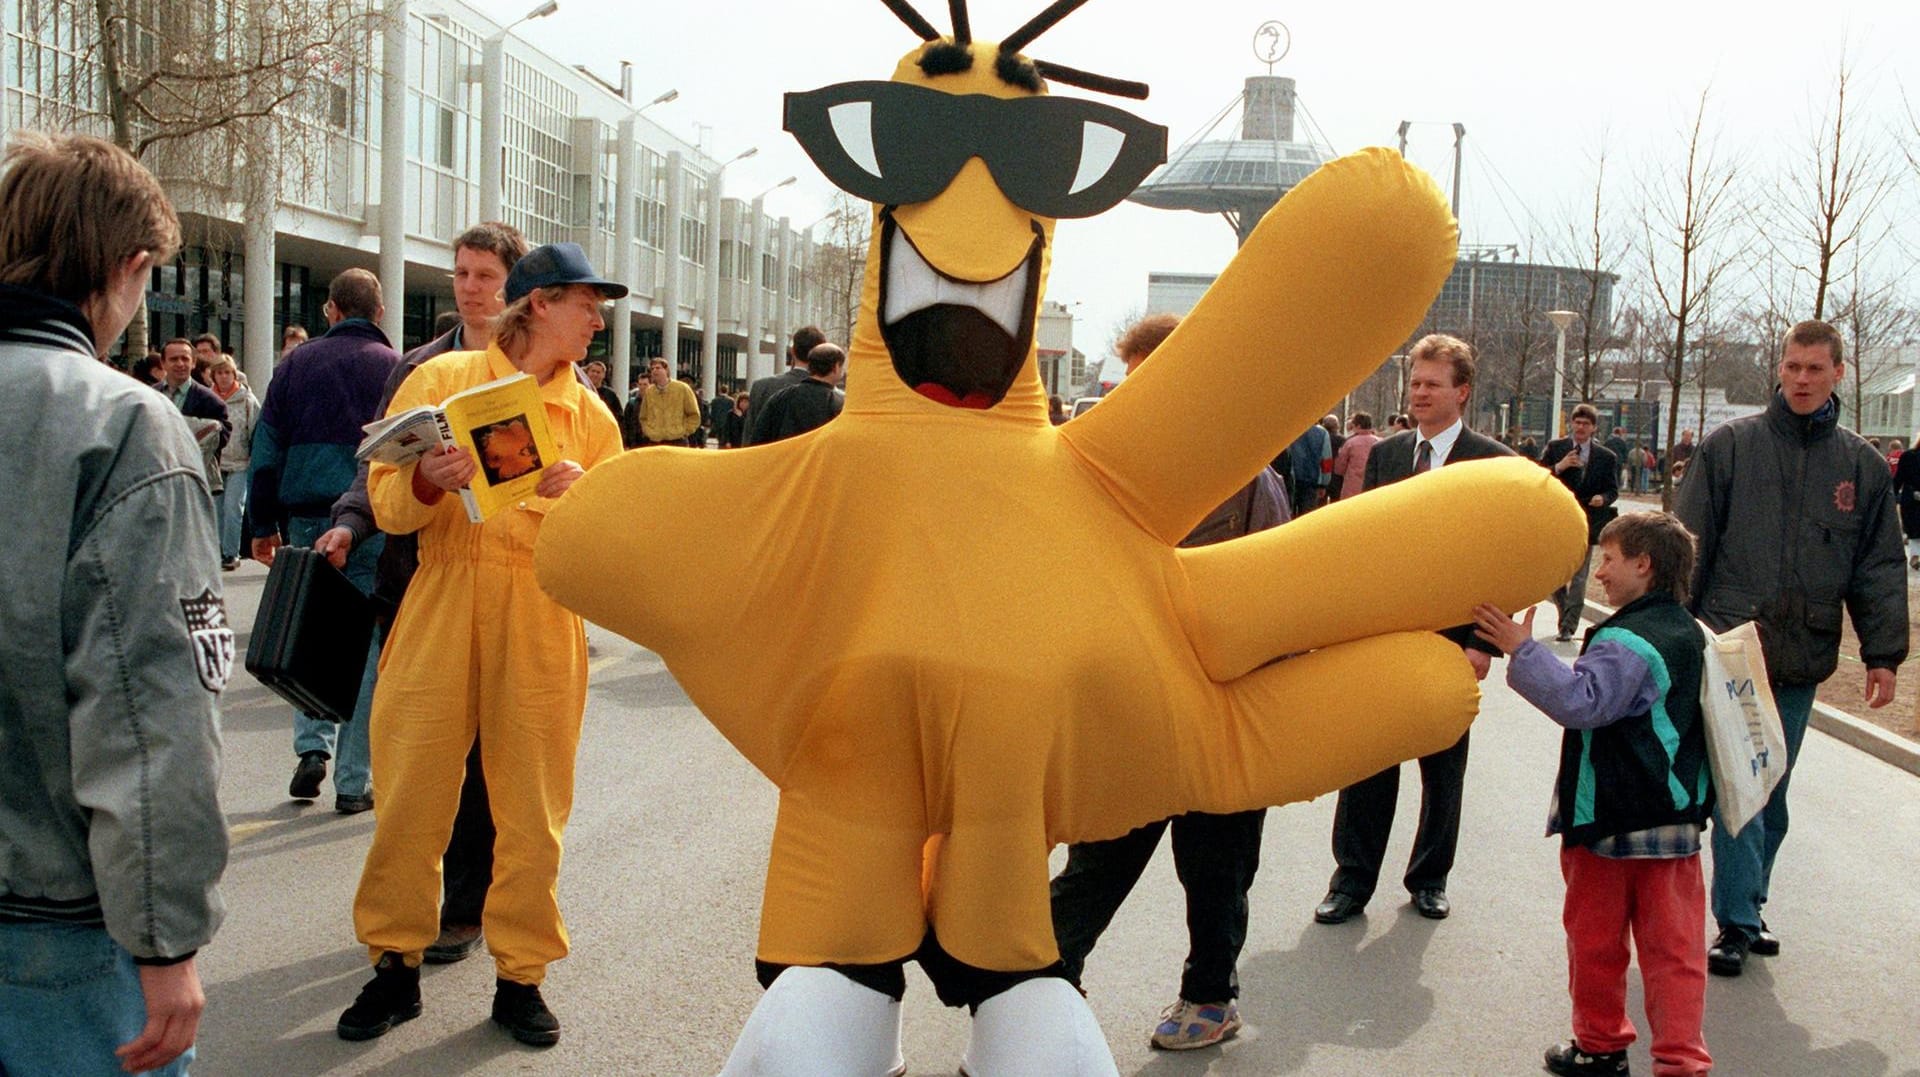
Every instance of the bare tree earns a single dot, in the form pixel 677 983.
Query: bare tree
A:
pixel 1831 197
pixel 1870 316
pixel 1688 220
pixel 1602 250
pixel 839 263
pixel 187 86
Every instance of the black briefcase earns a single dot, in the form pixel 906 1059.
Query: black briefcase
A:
pixel 311 635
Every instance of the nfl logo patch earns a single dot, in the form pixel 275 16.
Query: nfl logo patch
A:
pixel 212 638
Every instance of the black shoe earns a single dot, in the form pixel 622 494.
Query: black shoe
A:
pixel 391 997
pixel 523 1013
pixel 308 776
pixel 1567 1058
pixel 1728 954
pixel 1338 908
pixel 1563 637
pixel 457 942
pixel 228 564
pixel 346 804
pixel 1765 944
pixel 1431 903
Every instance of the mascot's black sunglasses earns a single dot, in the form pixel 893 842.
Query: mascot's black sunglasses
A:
pixel 896 144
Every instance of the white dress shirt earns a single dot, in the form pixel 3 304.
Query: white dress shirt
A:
pixel 1442 443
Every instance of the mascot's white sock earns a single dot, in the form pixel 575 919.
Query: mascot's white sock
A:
pixel 816 1021
pixel 1038 1028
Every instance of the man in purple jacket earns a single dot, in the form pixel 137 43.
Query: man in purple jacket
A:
pixel 303 447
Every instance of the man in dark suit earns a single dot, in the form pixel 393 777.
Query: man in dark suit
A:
pixel 1592 472
pixel 1441 382
pixel 805 339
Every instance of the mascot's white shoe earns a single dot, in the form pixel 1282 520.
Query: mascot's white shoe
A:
pixel 815 1021
pixel 1038 1028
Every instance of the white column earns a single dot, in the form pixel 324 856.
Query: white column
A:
pixel 783 328
pixel 670 274
pixel 393 172
pixel 626 186
pixel 260 275
pixel 493 123
pixel 8 121
pixel 756 291
pixel 710 309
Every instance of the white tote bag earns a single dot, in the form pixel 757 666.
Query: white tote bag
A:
pixel 1746 747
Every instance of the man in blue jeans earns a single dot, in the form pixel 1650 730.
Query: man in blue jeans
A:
pixel 114 645
pixel 303 445
pixel 1796 519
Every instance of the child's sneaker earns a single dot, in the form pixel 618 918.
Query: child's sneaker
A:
pixel 1569 1060
pixel 1187 1025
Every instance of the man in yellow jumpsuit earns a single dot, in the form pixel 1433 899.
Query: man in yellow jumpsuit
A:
pixel 479 649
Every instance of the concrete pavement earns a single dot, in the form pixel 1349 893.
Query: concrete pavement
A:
pixel 661 889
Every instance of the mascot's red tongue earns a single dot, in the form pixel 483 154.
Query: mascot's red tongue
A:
pixel 934 391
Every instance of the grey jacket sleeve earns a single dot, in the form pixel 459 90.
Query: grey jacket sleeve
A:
pixel 1877 594
pixel 147 649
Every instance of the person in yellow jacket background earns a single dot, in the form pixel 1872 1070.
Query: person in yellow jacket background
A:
pixel 479 650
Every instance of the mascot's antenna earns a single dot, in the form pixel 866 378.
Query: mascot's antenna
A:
pixel 962 33
pixel 914 20
pixel 1039 24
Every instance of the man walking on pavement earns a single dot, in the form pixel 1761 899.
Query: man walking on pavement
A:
pixel 482 257
pixel 194 400
pixel 1796 518
pixel 805 339
pixel 303 459
pixel 114 641
pixel 812 403
pixel 1592 473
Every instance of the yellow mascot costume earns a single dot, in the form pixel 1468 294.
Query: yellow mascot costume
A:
pixel 923 660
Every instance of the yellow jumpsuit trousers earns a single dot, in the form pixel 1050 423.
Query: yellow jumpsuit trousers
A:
pixel 477 650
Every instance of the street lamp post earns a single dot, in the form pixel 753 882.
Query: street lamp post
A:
pixel 493 110
pixel 626 233
pixel 1561 319
pixel 756 281
pixel 710 318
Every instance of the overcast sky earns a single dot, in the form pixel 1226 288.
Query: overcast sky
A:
pixel 1537 85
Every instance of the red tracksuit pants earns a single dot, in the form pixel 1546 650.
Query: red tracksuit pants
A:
pixel 1663 904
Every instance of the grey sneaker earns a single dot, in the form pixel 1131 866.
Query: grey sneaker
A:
pixel 1185 1025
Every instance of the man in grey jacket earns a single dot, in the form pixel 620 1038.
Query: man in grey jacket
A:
pixel 1795 518
pixel 111 837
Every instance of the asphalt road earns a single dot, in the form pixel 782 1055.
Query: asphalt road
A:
pixel 661 889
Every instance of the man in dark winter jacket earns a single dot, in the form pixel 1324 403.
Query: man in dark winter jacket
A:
pixel 1796 519
pixel 483 256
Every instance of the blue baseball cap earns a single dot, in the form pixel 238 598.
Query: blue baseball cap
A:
pixel 553 265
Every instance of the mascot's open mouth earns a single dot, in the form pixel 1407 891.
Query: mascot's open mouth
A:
pixel 958 342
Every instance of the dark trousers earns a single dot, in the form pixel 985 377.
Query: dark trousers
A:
pixel 467 868
pixel 1571 598
pixel 1216 857
pixel 1364 819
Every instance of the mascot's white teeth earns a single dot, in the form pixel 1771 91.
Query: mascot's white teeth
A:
pixel 913 285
